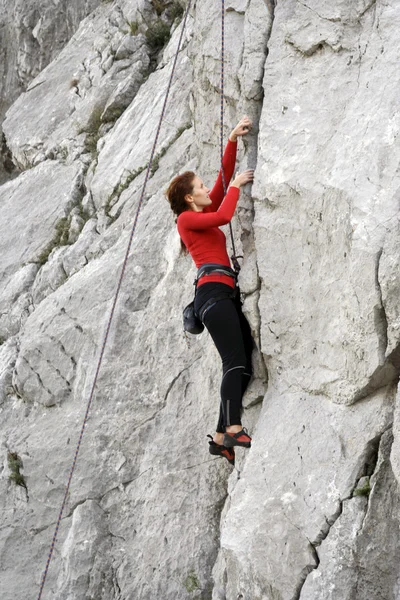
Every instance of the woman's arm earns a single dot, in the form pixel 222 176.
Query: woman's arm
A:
pixel 228 164
pixel 202 220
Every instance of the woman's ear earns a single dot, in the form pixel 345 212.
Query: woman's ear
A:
pixel 189 199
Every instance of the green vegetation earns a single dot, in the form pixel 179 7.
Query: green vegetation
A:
pixel 132 175
pixel 98 118
pixel 157 34
pixel 156 160
pixel 364 490
pixel 15 465
pixel 84 215
pixel 192 582
pixel 177 11
pixel 119 188
pixel 61 234
pixel 92 130
pixel 133 27
pixel 63 153
pixel 113 114
pixel 60 239
pixel 159 6
pixel 124 184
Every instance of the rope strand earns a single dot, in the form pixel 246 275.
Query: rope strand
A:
pixel 112 310
pixel 234 259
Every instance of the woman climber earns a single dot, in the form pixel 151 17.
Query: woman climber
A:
pixel 217 301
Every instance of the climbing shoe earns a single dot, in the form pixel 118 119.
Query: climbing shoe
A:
pixel 219 450
pixel 241 438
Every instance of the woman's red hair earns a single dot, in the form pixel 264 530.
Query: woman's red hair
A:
pixel 180 186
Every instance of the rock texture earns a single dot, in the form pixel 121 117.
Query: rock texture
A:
pixel 311 512
pixel 326 229
pixel 31 37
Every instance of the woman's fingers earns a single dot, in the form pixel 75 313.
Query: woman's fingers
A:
pixel 249 174
pixel 243 126
pixel 245 177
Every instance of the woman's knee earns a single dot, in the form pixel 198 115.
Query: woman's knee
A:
pixel 235 359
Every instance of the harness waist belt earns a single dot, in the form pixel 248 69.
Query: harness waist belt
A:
pixel 210 268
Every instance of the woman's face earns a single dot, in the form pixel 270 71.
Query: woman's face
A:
pixel 199 197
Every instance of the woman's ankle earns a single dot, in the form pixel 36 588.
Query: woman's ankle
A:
pixel 234 428
pixel 219 438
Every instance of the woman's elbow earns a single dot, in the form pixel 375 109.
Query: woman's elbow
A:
pixel 226 220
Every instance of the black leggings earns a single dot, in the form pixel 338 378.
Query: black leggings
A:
pixel 231 334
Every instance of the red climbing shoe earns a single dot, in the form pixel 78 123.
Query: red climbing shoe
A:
pixel 219 450
pixel 241 438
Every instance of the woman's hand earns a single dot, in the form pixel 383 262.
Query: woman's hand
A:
pixel 245 177
pixel 241 128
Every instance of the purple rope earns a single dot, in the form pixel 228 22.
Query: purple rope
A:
pixel 233 257
pixel 112 309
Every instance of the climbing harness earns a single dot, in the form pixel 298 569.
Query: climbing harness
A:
pixel 211 268
pixel 193 321
pixel 234 258
pixel 43 580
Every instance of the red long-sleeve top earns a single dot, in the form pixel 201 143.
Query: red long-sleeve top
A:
pixel 200 230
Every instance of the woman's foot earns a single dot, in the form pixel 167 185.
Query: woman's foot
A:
pixel 236 436
pixel 220 450
pixel 218 438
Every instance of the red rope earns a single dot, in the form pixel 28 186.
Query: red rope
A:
pixel 112 309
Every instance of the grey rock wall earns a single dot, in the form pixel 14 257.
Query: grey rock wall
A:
pixel 326 231
pixel 312 510
pixel 32 35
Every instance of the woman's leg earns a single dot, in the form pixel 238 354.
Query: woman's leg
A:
pixel 248 344
pixel 223 322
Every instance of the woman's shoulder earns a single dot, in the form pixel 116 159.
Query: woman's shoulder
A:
pixel 186 217
pixel 182 221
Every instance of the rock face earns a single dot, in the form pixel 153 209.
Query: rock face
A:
pixel 31 37
pixel 312 511
pixel 326 238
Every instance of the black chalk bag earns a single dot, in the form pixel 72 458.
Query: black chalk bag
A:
pixel 191 322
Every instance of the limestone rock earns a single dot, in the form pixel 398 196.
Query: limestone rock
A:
pixel 32 36
pixel 65 107
pixel 312 510
pixel 8 356
pixel 327 200
pixel 326 229
pixel 352 563
pixel 292 485
pixel 30 226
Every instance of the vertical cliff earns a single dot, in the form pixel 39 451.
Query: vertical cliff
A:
pixel 311 512
pixel 31 37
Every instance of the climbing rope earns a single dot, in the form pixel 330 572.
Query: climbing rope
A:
pixel 113 308
pixel 234 258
